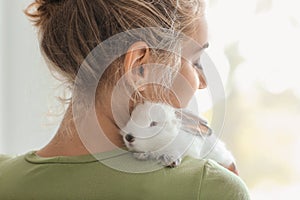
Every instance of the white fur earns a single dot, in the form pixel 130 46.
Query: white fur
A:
pixel 168 141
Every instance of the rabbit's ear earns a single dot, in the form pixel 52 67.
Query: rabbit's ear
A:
pixel 193 124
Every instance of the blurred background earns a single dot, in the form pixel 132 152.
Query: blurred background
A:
pixel 27 89
pixel 255 45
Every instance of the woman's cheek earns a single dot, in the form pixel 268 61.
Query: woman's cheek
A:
pixel 185 85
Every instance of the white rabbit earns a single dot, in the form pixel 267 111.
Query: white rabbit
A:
pixel 159 131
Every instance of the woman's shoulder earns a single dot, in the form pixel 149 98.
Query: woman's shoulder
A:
pixel 4 158
pixel 193 178
pixel 213 180
pixel 218 182
pixel 9 162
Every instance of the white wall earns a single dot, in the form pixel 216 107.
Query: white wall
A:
pixel 25 85
pixel 1 76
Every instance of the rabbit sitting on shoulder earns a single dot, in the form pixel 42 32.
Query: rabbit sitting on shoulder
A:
pixel 159 131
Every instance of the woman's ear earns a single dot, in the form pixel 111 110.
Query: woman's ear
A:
pixel 137 56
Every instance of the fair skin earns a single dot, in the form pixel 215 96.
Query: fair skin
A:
pixel 138 54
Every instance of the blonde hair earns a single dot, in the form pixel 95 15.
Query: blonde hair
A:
pixel 70 29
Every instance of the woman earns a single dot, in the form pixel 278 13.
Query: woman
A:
pixel 67 168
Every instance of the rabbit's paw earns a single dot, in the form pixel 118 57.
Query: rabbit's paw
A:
pixel 169 161
pixel 142 156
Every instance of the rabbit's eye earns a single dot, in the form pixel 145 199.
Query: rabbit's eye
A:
pixel 153 123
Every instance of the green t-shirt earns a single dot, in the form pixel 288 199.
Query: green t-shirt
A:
pixel 108 176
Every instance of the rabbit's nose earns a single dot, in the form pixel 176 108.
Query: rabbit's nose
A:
pixel 129 138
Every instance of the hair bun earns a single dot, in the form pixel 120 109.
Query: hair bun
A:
pixel 41 10
pixel 52 1
pixel 47 2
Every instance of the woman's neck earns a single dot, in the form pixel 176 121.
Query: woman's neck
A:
pixel 67 141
